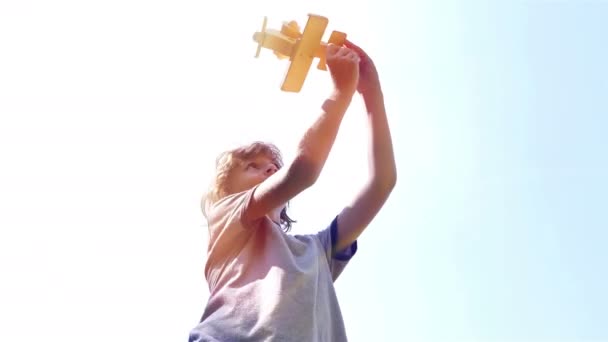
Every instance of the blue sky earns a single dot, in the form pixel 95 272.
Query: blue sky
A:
pixel 111 115
pixel 505 219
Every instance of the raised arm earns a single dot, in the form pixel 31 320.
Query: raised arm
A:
pixel 318 139
pixel 358 214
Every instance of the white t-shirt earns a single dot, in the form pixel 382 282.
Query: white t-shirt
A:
pixel 266 285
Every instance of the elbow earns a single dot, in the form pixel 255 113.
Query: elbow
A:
pixel 392 181
pixel 305 170
pixel 389 182
pixel 393 177
pixel 386 180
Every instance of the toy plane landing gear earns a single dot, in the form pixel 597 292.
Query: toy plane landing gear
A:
pixel 300 47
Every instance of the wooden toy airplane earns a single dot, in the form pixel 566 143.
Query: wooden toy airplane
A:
pixel 300 47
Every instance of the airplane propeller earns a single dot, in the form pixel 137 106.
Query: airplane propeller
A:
pixel 260 40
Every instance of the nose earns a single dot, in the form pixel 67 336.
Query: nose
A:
pixel 270 169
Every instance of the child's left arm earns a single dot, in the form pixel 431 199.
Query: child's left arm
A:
pixel 356 216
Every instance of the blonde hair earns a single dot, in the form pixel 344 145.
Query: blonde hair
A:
pixel 227 161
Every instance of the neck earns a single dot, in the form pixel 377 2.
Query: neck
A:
pixel 275 216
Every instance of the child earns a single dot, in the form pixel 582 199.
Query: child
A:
pixel 266 285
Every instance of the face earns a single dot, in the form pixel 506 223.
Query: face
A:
pixel 251 172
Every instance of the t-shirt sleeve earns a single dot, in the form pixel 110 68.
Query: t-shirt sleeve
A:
pixel 231 208
pixel 337 259
pixel 225 219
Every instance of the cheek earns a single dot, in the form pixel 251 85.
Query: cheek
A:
pixel 234 183
pixel 254 178
pixel 244 181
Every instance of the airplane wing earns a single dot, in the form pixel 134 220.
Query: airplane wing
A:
pixel 304 53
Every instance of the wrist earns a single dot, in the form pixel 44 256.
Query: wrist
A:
pixel 341 95
pixel 374 100
pixel 337 103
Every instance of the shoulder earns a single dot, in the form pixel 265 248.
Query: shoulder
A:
pixel 229 209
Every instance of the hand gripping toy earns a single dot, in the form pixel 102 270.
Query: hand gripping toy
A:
pixel 300 47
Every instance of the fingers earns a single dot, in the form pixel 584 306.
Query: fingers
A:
pixel 335 51
pixel 343 52
pixel 332 49
pixel 355 57
pixel 354 47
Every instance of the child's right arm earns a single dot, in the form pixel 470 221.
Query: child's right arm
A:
pixel 315 145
